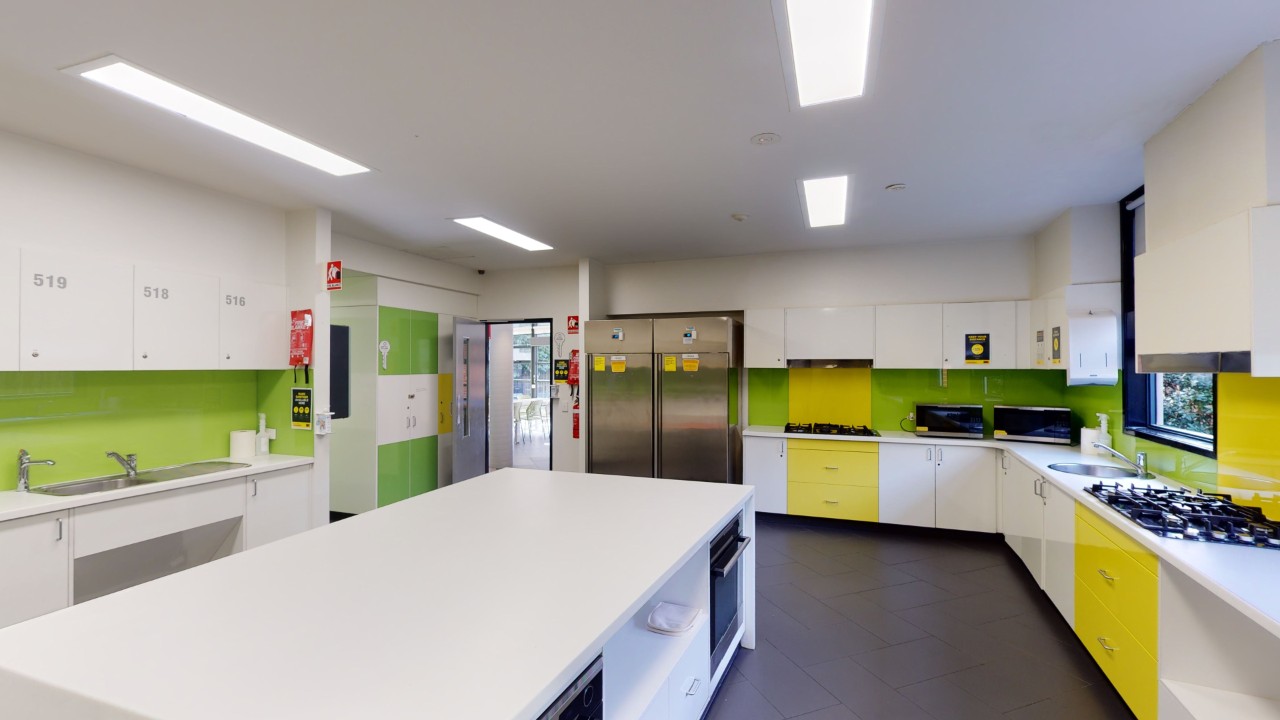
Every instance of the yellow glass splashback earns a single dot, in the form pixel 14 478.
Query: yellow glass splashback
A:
pixel 830 395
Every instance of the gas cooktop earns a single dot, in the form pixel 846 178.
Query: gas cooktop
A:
pixel 829 429
pixel 1186 515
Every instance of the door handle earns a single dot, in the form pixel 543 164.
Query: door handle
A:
pixel 1106 576
pixel 255 488
pixel 928 454
pixel 59 538
pixel 1103 642
pixel 693 687
pixel 832 502
pixel 939 456
pixel 415 421
pixel 833 467
pixel 1036 486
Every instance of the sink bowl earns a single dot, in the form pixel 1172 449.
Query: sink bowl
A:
pixel 118 482
pixel 1098 471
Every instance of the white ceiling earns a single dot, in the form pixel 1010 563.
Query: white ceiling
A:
pixel 619 130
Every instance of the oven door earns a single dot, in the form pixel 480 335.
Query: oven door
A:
pixel 726 589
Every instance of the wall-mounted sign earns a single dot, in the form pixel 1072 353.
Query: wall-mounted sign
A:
pixel 1039 347
pixel 689 362
pixel 333 275
pixel 617 363
pixel 301 411
pixel 573 324
pixel 1056 352
pixel 977 349
pixel 668 363
pixel 560 371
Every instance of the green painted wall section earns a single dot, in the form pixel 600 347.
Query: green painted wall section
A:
pixel 275 398
pixel 424 468
pixel 767 392
pixel 894 393
pixel 74 418
pixel 406 469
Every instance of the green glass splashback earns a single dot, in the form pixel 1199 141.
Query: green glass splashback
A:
pixel 74 418
pixel 894 393
pixel 767 396
pixel 276 400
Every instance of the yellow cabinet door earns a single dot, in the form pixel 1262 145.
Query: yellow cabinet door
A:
pixel 1141 555
pixel 1124 586
pixel 832 467
pixel 843 502
pixel 1130 668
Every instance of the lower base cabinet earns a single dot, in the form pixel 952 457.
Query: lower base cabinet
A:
pixel 35 560
pixel 833 479
pixel 688 688
pixel 278 505
pixel 946 486
pixel 406 469
pixel 764 466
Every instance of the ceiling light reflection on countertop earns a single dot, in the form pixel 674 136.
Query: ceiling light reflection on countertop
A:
pixel 830 48
pixel 825 200
pixel 119 75
pixel 505 234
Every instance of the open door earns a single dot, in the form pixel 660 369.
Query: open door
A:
pixel 470 415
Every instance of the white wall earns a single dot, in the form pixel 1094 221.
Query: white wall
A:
pixel 950 272
pixel 55 198
pixel 307 252
pixel 366 257
pixel 1053 256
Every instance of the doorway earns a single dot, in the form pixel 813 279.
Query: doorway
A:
pixel 520 371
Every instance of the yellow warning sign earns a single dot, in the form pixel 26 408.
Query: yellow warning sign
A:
pixel 668 363
pixel 618 363
pixel 690 364
pixel 597 363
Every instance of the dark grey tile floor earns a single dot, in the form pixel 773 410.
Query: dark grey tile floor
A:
pixel 869 622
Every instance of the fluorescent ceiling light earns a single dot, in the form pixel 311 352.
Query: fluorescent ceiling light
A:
pixel 505 234
pixel 824 200
pixel 830 43
pixel 118 75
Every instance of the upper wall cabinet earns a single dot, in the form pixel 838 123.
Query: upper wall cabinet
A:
pixel 9 270
pixel 980 335
pixel 76 312
pixel 253 326
pixel 763 338
pixel 909 336
pixel 173 317
pixel 841 333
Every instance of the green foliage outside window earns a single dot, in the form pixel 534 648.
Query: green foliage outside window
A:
pixel 1186 401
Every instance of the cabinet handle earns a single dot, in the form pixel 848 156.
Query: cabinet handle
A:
pixel 415 421
pixel 1081 359
pixel 1105 576
pixel 782 448
pixel 1004 462
pixel 255 487
pixel 939 456
pixel 833 467
pixel 1103 642
pixel 1036 485
pixel 59 538
pixel 406 423
pixel 693 687
pixel 928 454
pixel 833 502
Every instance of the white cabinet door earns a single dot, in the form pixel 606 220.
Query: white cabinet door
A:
pixel 253 326
pixel 840 333
pixel 1059 549
pixel 1039 335
pixel 762 339
pixel 689 685
pixel 1022 309
pixel 278 505
pixel 1022 515
pixel 965 484
pixel 1055 332
pixel 907 484
pixel 76 312
pixel 174 316
pixel 395 411
pixel 764 466
pixel 9 270
pixel 35 562
pixel 996 320
pixel 909 336
pixel 424 412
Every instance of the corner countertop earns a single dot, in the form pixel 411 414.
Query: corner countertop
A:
pixel 1246 578
pixel 14 504
pixel 483 599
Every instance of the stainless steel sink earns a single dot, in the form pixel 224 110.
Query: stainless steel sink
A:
pixel 118 482
pixel 1099 471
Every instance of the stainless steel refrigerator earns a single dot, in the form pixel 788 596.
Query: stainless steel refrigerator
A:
pixel 673 414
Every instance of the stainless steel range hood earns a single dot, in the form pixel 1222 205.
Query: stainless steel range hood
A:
pixel 1209 362
pixel 828 364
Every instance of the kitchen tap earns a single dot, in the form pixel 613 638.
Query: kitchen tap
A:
pixel 24 463
pixel 128 462
pixel 1140 465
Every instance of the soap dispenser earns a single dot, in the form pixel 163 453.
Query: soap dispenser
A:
pixel 1104 436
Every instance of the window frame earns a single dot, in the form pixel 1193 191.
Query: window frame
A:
pixel 1138 387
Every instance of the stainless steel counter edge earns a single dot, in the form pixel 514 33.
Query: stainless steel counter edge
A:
pixel 1228 572
pixel 15 505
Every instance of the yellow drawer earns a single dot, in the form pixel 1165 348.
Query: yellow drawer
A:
pixel 843 502
pixel 1145 557
pixel 831 467
pixel 850 446
pixel 1132 670
pixel 1131 593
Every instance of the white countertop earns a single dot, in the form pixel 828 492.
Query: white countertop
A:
pixel 480 600
pixel 1247 578
pixel 14 504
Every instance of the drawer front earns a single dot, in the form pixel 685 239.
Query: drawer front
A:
pixel 842 502
pixel 1143 556
pixel 1131 594
pixel 849 446
pixel 1131 669
pixel 833 468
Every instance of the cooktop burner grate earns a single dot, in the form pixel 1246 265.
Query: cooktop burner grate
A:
pixel 1201 516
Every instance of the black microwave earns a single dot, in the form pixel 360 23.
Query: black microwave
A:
pixel 1033 424
pixel 960 421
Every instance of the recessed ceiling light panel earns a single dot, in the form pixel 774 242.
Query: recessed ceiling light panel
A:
pixel 119 75
pixel 505 234
pixel 825 200
pixel 830 48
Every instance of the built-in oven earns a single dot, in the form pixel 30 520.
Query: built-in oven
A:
pixel 583 699
pixel 726 589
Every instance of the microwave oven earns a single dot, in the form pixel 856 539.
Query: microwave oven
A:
pixel 960 421
pixel 1033 424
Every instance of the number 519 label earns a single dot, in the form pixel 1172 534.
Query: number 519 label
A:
pixel 54 282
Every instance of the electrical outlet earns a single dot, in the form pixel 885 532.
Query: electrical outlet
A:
pixel 911 416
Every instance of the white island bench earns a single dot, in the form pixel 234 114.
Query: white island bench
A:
pixel 481 600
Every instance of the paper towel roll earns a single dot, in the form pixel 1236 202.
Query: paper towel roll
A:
pixel 242 443
pixel 1089 436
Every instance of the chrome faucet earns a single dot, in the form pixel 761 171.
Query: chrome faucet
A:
pixel 1140 465
pixel 128 462
pixel 24 464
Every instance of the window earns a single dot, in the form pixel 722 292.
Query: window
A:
pixel 1171 408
